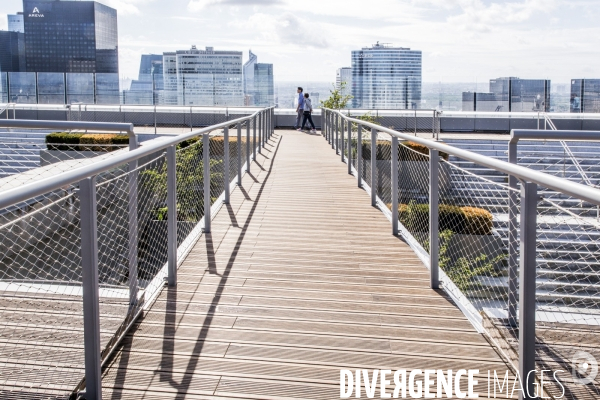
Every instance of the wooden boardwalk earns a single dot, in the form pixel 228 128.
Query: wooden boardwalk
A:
pixel 299 278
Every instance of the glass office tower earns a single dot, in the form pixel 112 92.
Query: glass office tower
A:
pixel 12 51
pixel 264 88
pixel 585 96
pixel 259 88
pixel 70 36
pixel 386 77
pixel 344 75
pixel 203 77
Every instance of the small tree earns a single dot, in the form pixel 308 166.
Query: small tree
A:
pixel 336 101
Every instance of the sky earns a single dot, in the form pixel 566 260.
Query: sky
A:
pixel 307 40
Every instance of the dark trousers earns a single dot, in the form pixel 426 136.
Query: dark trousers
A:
pixel 307 117
pixel 299 118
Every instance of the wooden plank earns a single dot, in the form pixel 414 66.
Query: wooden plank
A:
pixel 301 278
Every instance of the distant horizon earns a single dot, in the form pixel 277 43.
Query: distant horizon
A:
pixel 461 40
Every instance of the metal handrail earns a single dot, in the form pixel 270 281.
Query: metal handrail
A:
pixel 584 192
pixel 522 261
pixel 20 194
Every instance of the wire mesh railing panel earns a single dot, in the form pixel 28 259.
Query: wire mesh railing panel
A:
pixel 473 225
pixel 23 159
pixel 413 191
pixel 568 296
pixel 366 159
pixel 190 190
pixel 40 297
pixel 384 172
pixel 217 166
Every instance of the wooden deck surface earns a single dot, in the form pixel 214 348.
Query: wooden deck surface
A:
pixel 299 278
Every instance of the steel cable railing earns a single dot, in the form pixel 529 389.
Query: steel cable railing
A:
pixel 86 251
pixel 528 279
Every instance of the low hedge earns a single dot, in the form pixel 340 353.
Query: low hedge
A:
pixel 460 220
pixel 216 143
pixel 86 141
pixel 407 151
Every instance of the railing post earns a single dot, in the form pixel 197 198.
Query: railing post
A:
pixel 155 131
pixel 172 215
pixel 254 125
pixel 359 156
pixel 327 126
pixel 91 299
pixel 434 209
pixel 513 238
pixel 527 275
pixel 261 122
pixel 335 143
pixel 349 145
pixel 206 167
pixel 226 163
pixel 239 153
pixel 248 144
pixel 132 236
pixel 394 185
pixel 342 129
pixel 373 167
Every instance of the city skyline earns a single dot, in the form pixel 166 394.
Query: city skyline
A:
pixel 461 40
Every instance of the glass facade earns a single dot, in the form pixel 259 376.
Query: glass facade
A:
pixel 249 79
pixel 15 23
pixel 107 89
pixel 585 96
pixel 51 88
pixel 510 95
pixel 22 87
pixel 203 78
pixel 344 75
pixel 264 88
pixel 3 88
pixel 149 86
pixel 385 77
pixel 12 51
pixel 80 88
pixel 70 36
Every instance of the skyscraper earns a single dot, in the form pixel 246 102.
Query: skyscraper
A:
pixel 585 96
pixel 15 22
pixel 386 77
pixel 147 89
pixel 511 94
pixel 203 77
pixel 259 88
pixel 249 79
pixel 12 51
pixel 70 36
pixel 344 75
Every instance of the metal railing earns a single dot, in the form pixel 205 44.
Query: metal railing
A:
pixel 527 291
pixel 103 238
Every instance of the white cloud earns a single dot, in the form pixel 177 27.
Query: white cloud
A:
pixel 125 7
pixel 287 29
pixel 197 5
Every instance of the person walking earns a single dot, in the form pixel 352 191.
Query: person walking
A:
pixel 299 109
pixel 308 113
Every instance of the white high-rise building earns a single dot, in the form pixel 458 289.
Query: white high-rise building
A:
pixel 344 75
pixel 386 77
pixel 203 77
pixel 16 23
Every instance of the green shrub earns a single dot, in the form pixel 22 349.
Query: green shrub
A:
pixel 477 221
pixel 460 220
pixel 63 141
pixel 407 151
pixel 71 141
